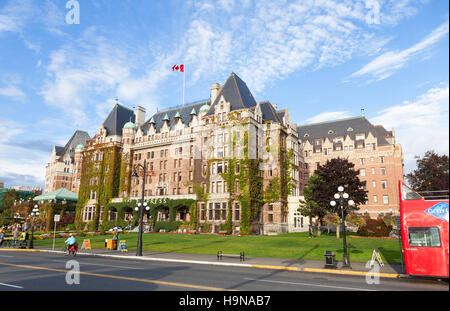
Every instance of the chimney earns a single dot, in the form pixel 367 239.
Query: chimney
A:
pixel 214 91
pixel 140 116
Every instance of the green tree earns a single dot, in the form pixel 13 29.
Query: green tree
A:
pixel 323 184
pixel 309 206
pixel 339 172
pixel 8 199
pixel 432 173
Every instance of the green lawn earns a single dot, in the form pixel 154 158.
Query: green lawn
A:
pixel 290 246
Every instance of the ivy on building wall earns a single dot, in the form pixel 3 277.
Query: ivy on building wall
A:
pixel 286 180
pixel 250 183
pixel 99 175
pixel 129 206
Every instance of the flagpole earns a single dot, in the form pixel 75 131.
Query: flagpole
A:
pixel 184 81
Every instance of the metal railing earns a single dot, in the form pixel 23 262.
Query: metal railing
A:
pixel 435 194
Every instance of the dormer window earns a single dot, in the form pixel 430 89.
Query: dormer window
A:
pixel 306 135
pixel 349 129
pixel 338 139
pixel 360 137
pixel 330 132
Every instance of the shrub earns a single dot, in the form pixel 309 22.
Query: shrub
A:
pixel 376 228
pixel 206 228
pixel 167 225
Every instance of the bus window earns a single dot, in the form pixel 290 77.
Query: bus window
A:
pixel 408 194
pixel 424 237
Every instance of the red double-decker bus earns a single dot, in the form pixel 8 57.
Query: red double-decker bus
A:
pixel 424 229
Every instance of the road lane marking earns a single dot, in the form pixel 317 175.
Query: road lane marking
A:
pixel 10 285
pixel 122 278
pixel 309 284
pixel 105 266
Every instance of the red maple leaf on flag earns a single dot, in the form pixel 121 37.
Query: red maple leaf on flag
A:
pixel 180 68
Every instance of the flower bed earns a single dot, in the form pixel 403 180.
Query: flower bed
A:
pixel 372 237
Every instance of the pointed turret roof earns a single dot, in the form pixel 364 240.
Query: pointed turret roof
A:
pixel 193 112
pixel 236 92
pixel 117 118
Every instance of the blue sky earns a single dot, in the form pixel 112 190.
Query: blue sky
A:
pixel 322 59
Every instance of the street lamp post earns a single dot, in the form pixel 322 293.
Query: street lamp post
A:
pixel 34 213
pixel 341 196
pixel 141 205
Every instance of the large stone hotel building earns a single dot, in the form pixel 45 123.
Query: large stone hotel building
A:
pixel 226 162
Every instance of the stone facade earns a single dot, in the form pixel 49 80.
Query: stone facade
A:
pixel 243 162
pixel 59 172
pixel 372 149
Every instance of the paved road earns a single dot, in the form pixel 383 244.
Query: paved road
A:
pixel 32 271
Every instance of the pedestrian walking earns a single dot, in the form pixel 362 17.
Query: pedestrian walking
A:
pixel 2 235
pixel 116 239
pixel 15 235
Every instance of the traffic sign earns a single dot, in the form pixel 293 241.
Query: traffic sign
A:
pixel 123 246
pixel 86 244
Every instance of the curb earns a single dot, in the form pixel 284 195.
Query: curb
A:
pixel 229 264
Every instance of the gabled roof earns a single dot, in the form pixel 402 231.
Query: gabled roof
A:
pixel 236 92
pixel 117 118
pixel 183 111
pixel 59 150
pixel 268 112
pixel 336 128
pixel 79 137
pixel 281 113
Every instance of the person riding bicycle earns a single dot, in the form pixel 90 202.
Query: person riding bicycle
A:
pixel 70 242
pixel 2 235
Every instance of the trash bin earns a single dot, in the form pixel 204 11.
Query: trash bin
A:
pixel 330 261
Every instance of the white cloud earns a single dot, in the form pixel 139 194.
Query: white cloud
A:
pixel 420 125
pixel 328 116
pixel 30 163
pixel 12 92
pixel 276 38
pixel 388 63
pixel 262 44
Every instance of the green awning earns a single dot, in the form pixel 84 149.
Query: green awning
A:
pixel 58 196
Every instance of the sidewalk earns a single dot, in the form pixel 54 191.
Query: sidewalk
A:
pixel 390 271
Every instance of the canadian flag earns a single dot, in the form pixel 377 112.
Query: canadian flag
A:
pixel 176 68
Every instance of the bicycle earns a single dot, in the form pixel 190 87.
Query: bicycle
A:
pixel 72 249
